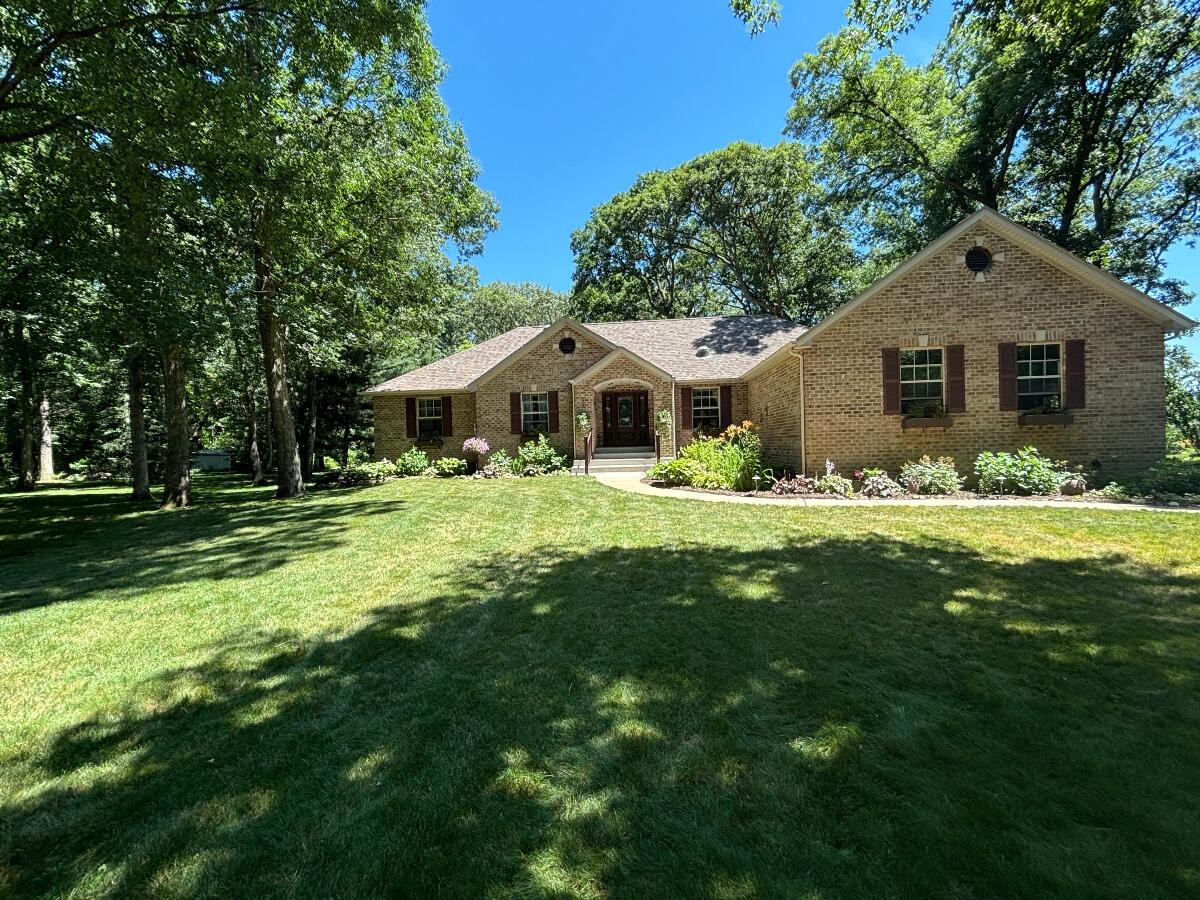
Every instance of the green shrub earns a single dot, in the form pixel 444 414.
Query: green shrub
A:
pixel 538 457
pixel 1023 472
pixel 929 476
pixel 680 471
pixel 1177 475
pixel 1113 491
pixel 876 483
pixel 449 466
pixel 729 462
pixel 499 465
pixel 412 461
pixel 832 483
pixel 359 474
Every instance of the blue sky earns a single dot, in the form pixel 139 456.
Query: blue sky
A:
pixel 565 104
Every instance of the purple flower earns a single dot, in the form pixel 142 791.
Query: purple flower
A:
pixel 476 445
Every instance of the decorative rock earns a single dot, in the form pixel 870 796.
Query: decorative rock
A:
pixel 1072 488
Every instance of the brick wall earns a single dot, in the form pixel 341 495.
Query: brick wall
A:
pixel 774 404
pixel 542 368
pixel 1121 427
pixel 739 403
pixel 621 372
pixel 391 438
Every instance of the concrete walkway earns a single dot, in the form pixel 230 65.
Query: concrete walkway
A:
pixel 633 484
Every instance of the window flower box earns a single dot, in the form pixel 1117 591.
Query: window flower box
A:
pixel 926 422
pixel 1045 418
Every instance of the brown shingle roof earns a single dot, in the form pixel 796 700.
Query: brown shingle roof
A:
pixel 457 371
pixel 699 349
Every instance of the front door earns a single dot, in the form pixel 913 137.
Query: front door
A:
pixel 626 419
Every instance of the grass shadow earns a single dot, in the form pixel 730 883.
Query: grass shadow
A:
pixel 831 717
pixel 120 547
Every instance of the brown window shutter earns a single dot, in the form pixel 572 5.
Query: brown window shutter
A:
pixel 891 380
pixel 552 401
pixel 956 381
pixel 514 411
pixel 1007 367
pixel 685 400
pixel 447 416
pixel 1076 393
pixel 726 406
pixel 410 416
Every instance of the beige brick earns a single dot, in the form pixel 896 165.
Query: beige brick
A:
pixel 1122 426
pixel 1019 297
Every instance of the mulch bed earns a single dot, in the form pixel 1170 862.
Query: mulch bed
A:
pixel 1184 500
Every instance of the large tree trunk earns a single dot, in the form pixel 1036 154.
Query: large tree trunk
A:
pixel 27 404
pixel 46 444
pixel 251 404
pixel 310 427
pixel 269 432
pixel 177 492
pixel 290 483
pixel 26 477
pixel 256 465
pixel 137 427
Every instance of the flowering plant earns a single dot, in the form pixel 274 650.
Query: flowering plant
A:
pixel 476 445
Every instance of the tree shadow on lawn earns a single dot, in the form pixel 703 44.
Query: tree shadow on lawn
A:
pixel 835 718
pixel 58 546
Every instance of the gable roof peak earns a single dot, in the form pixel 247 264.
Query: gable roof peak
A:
pixel 1171 320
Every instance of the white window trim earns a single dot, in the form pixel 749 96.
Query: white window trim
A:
pixel 1060 377
pixel 439 418
pixel 707 411
pixel 528 414
pixel 941 382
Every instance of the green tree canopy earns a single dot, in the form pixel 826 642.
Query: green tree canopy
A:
pixel 742 229
pixel 1077 119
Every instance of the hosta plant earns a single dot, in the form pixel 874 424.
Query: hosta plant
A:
pixel 931 476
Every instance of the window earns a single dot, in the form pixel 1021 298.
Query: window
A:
pixel 535 413
pixel 429 417
pixel 921 382
pixel 706 410
pixel 1039 376
pixel 567 346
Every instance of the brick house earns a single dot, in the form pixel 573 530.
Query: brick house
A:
pixel 990 338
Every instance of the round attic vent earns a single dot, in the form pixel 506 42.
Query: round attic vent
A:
pixel 978 259
pixel 567 345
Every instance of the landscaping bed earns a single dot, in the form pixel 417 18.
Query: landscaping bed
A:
pixel 1168 500
pixel 732 464
pixel 530 687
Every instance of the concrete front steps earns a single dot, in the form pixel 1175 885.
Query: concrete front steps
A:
pixel 618 461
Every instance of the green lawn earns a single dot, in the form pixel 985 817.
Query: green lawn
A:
pixel 545 688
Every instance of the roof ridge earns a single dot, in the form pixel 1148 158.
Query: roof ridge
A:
pixel 694 319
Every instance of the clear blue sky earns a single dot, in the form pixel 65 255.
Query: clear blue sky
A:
pixel 565 104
